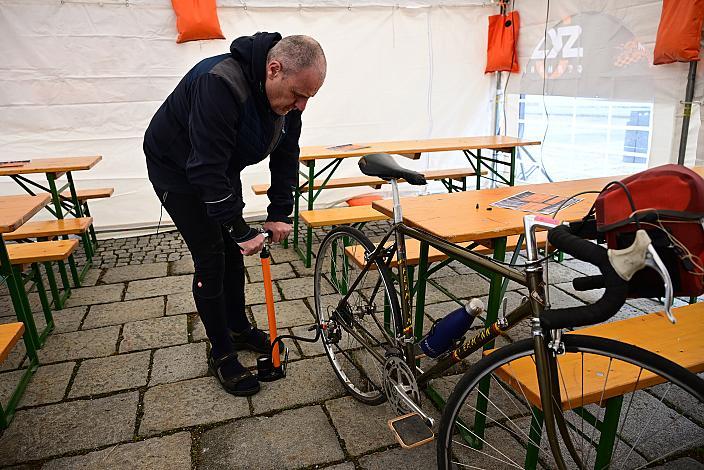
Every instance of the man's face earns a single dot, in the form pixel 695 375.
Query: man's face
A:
pixel 289 91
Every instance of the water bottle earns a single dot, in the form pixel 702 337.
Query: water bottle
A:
pixel 449 329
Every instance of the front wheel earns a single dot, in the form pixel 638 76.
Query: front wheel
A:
pixel 357 311
pixel 648 410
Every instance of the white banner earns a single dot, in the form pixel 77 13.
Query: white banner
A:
pixel 84 78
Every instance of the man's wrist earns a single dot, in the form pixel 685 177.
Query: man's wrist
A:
pixel 239 231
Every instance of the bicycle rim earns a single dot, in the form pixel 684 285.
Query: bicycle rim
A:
pixel 357 332
pixel 649 409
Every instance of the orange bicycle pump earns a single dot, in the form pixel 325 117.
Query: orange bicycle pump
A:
pixel 269 367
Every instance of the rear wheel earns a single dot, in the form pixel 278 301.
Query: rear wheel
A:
pixel 358 329
pixel 648 409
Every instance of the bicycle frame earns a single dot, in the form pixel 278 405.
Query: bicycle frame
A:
pixel 532 279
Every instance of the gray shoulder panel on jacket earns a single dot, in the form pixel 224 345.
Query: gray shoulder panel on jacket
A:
pixel 231 71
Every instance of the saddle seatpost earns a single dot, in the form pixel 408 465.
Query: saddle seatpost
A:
pixel 398 215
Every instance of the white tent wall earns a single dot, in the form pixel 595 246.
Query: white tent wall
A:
pixel 84 78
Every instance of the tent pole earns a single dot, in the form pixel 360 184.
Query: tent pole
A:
pixel 689 95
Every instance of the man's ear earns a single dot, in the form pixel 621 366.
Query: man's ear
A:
pixel 273 68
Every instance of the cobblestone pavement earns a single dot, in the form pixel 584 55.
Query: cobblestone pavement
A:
pixel 123 381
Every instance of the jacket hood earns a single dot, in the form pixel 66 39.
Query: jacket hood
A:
pixel 251 52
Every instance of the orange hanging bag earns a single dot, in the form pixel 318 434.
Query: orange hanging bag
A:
pixel 501 53
pixel 196 20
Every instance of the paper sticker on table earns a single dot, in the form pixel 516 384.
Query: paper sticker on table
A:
pixel 13 163
pixel 348 147
pixel 529 201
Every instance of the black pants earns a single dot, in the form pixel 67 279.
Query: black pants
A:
pixel 218 282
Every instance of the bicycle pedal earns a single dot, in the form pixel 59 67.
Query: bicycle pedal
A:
pixel 411 431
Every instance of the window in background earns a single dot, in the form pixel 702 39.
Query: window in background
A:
pixel 585 138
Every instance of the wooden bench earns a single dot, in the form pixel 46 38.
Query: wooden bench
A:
pixel 83 196
pixel 10 334
pixel 434 255
pixel 681 343
pixel 21 254
pixel 357 181
pixel 341 216
pixel 86 194
pixel 49 230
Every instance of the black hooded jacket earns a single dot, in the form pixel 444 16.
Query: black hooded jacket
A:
pixel 218 121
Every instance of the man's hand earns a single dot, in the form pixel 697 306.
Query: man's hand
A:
pixel 253 246
pixel 279 230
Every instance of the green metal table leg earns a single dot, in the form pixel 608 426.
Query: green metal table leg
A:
pixel 24 314
pixel 16 287
pixel 492 314
pixel 309 230
pixel 48 317
pixel 512 169
pixel 609 425
pixel 53 287
pixel 479 168
pixel 534 434
pixel 296 209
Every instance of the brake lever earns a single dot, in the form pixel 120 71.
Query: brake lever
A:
pixel 627 261
pixel 654 261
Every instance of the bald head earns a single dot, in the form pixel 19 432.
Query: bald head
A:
pixel 297 53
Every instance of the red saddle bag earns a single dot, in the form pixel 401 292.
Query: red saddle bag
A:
pixel 669 205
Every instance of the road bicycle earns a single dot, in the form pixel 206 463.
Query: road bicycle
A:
pixel 553 400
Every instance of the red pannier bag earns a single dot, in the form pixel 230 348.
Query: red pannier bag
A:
pixel 669 205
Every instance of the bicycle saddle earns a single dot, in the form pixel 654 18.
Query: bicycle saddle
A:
pixel 383 165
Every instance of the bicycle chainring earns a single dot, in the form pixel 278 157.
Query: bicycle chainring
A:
pixel 397 375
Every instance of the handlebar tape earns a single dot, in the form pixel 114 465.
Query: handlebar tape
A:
pixel 588 283
pixel 616 288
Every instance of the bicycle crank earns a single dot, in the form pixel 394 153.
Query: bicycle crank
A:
pixel 401 388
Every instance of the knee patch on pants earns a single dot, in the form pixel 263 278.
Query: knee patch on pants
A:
pixel 209 274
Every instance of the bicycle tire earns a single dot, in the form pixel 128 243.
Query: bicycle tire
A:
pixel 631 448
pixel 359 371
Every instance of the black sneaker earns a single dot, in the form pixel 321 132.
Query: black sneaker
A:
pixel 240 384
pixel 252 339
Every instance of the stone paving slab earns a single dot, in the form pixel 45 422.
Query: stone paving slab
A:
pixel 309 349
pixel 224 448
pixel 183 302
pixel 182 266
pixel 91 277
pixel 117 313
pixel 300 288
pixel 465 286
pixel 278 271
pixel 307 381
pixel 301 269
pixel 418 458
pixel 16 357
pixel 280 254
pixel 288 313
pixel 47 385
pixel 154 333
pixel 158 286
pixel 68 319
pixel 254 293
pixel 133 273
pixel 361 427
pixel 95 295
pixel 189 403
pixel 80 345
pixel 176 363
pixel 111 374
pixel 161 453
pixel 42 432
